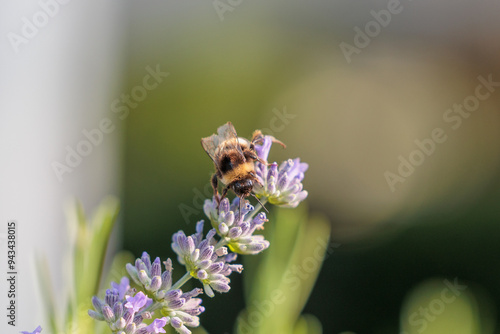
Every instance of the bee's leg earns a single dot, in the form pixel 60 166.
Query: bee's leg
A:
pixel 250 154
pixel 255 179
pixel 256 157
pixel 214 182
pixel 224 193
pixel 258 138
pixel 239 213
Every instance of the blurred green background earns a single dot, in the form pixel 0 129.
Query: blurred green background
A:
pixel 277 66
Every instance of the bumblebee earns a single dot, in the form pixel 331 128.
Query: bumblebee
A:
pixel 234 159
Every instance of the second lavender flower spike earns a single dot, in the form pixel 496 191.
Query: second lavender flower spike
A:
pixel 281 185
pixel 205 259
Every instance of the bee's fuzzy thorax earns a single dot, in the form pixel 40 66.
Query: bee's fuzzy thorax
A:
pixel 238 172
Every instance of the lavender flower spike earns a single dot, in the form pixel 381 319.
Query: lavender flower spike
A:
pixel 38 330
pixel 281 185
pixel 202 260
pixel 236 229
pixel 174 303
pixel 182 309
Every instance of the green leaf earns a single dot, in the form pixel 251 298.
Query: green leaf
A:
pixel 48 296
pixel 100 230
pixel 308 324
pixel 88 244
pixel 284 275
pixel 199 330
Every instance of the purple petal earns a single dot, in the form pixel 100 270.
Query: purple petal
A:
pixel 215 267
pixel 206 253
pixel 147 260
pixel 273 172
pixel 229 218
pixel 297 168
pixel 118 310
pixel 231 257
pixel 210 235
pixel 176 303
pixel 201 274
pixel 260 219
pixel 173 294
pixel 166 280
pixel 263 150
pixel 128 316
pixel 236 267
pixel 108 314
pixel 36 331
pixel 204 263
pixel 234 232
pixel 221 251
pixel 111 297
pixel 283 181
pixel 97 303
pixel 157 326
pixel 220 286
pixel 137 302
pixel 224 205
pixel 156 268
pixel 122 288
pixel 193 293
pixel 155 283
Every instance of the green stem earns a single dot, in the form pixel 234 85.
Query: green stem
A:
pixel 154 307
pixel 187 276
pixel 222 242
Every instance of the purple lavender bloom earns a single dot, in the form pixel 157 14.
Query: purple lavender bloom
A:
pixel 122 287
pixel 178 325
pixel 180 306
pixel 123 315
pixel 281 185
pixel 184 307
pixel 150 275
pixel 137 302
pixel 202 260
pixel 146 273
pixel 38 330
pixel 173 302
pixel 237 230
pixel 157 326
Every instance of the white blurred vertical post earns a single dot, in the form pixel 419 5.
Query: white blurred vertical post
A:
pixel 60 62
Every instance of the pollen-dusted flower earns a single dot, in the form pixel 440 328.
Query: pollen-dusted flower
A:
pixel 281 185
pixel 235 228
pixel 38 330
pixel 202 260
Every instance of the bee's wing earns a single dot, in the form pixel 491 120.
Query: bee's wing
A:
pixel 210 145
pixel 225 134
